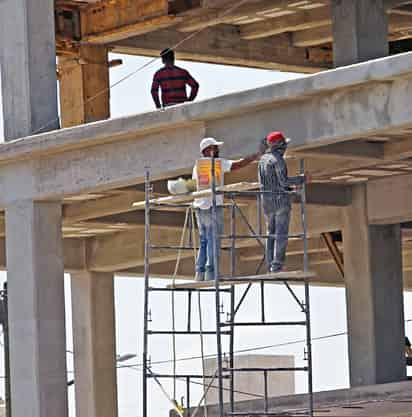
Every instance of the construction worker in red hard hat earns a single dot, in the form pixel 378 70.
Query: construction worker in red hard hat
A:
pixel 276 186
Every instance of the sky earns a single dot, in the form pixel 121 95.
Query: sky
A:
pixel 330 360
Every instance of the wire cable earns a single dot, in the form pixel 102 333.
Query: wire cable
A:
pixel 251 349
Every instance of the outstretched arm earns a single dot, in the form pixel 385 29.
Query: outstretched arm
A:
pixel 240 163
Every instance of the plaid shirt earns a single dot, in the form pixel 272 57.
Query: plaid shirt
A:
pixel 172 81
pixel 273 175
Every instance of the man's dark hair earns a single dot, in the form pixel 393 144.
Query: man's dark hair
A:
pixel 168 56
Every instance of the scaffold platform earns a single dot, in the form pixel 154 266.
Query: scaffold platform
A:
pixel 273 278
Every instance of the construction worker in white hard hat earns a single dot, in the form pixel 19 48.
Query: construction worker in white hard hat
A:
pixel 210 147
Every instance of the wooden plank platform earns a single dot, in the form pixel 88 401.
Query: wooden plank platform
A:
pixel 189 197
pixel 272 278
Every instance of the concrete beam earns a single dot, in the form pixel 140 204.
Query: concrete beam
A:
pixel 28 67
pixel 94 338
pixel 74 255
pixel 390 200
pixel 110 154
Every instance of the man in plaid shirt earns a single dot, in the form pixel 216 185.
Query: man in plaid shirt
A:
pixel 172 81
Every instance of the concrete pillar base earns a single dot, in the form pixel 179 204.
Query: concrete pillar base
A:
pixel 36 309
pixel 374 290
pixel 94 338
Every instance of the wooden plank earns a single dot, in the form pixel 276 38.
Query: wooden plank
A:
pixel 84 86
pixel 187 198
pixel 334 252
pixel 312 37
pixel 307 19
pixel 134 29
pixel 323 34
pixel 109 15
pixel 272 278
pixel 230 13
pixel 223 45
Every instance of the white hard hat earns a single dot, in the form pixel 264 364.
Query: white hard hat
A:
pixel 206 142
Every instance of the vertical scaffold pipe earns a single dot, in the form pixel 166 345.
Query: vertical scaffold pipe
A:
pixel 217 292
pixel 307 293
pixel 232 305
pixel 146 291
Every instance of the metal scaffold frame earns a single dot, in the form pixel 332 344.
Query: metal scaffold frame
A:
pixel 225 286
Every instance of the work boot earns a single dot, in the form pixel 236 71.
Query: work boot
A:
pixel 277 268
pixel 200 276
pixel 210 276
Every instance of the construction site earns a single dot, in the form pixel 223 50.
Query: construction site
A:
pixel 86 194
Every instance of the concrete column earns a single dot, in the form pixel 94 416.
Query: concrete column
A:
pixel 84 86
pixel 374 296
pixel 94 344
pixel 28 67
pixel 36 309
pixel 360 31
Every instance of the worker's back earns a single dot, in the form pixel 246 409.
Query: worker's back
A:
pixel 172 81
pixel 273 176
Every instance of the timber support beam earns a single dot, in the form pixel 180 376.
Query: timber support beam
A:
pixel 84 86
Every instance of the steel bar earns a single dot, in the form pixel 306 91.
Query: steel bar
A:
pixel 280 369
pixel 181 376
pixel 265 384
pixel 146 291
pixel 189 311
pixel 185 332
pixel 157 206
pixel 232 306
pixel 190 290
pixel 242 298
pixel 264 413
pixel 249 226
pixel 259 212
pixel 267 323
pixel 262 301
pixel 188 395
pixel 263 236
pixel 256 192
pixel 217 295
pixel 307 294
pixel 165 247
pixel 292 293
pixel 258 280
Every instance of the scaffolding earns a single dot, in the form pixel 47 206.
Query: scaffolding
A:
pixel 224 286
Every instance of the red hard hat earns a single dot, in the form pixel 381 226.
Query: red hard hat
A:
pixel 274 137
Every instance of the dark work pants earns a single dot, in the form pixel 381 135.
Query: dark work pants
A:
pixel 277 223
